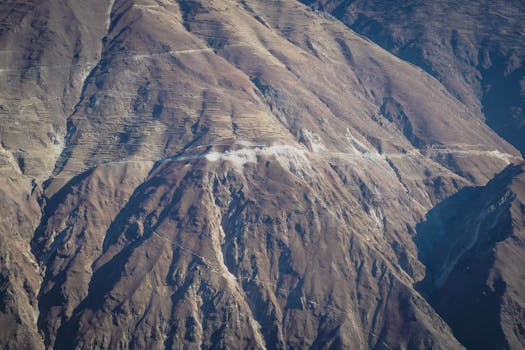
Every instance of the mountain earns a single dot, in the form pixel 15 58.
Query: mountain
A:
pixel 233 174
pixel 471 244
pixel 475 48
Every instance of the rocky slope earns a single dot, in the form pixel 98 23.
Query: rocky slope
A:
pixel 211 174
pixel 46 52
pixel 472 245
pixel 475 48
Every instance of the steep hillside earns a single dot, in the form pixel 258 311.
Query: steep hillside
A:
pixel 475 48
pixel 472 244
pixel 47 49
pixel 221 174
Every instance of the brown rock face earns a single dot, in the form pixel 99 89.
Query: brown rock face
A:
pixel 475 48
pixel 472 244
pixel 234 174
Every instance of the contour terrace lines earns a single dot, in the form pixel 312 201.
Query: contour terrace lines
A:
pixel 134 57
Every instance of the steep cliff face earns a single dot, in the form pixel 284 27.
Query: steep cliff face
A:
pixel 472 245
pixel 475 48
pixel 225 174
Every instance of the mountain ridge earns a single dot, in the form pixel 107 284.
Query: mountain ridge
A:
pixel 227 174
